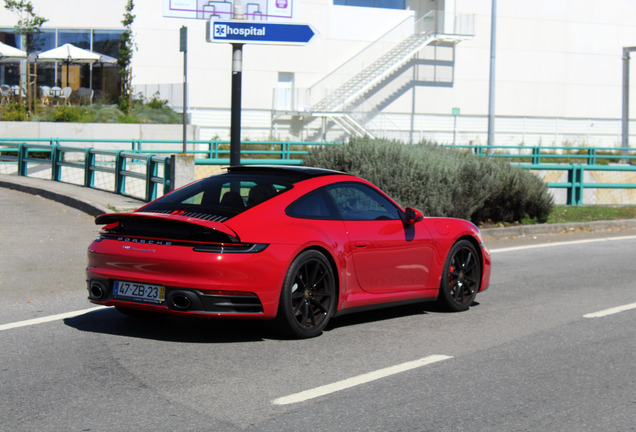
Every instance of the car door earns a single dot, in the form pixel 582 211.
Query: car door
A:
pixel 388 256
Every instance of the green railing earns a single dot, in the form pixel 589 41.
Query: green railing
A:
pixel 575 183
pixel 118 164
pixel 148 161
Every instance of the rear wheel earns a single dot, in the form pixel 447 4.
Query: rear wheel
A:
pixel 461 278
pixel 308 297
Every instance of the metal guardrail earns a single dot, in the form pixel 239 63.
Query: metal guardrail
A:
pixel 576 184
pixel 120 160
pixel 144 159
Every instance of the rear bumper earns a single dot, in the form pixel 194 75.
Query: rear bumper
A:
pixel 180 301
pixel 196 282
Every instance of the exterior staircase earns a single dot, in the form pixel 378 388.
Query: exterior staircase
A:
pixel 373 74
pixel 340 100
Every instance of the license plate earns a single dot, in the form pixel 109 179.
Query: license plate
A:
pixel 139 292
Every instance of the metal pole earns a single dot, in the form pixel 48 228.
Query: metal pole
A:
pixel 184 48
pixel 625 110
pixel 235 124
pixel 491 93
pixel 237 70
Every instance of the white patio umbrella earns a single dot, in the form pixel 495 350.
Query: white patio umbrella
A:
pixel 68 54
pixel 7 52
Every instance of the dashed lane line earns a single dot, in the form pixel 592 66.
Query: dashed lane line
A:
pixel 358 380
pixel 49 318
pixel 610 311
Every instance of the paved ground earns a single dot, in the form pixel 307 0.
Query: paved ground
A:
pixel 527 343
pixel 91 201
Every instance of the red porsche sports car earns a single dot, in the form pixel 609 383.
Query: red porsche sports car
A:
pixel 295 245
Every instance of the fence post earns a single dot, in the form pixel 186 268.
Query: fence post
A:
pixel 575 191
pixel 22 154
pixel 151 171
pixel 56 168
pixel 591 156
pixel 120 165
pixel 536 155
pixel 89 174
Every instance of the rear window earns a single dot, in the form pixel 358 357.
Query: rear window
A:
pixel 224 195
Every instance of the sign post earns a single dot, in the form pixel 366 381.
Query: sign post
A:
pixel 455 112
pixel 183 47
pixel 235 122
pixel 238 32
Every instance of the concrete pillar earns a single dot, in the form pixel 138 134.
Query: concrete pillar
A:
pixel 182 170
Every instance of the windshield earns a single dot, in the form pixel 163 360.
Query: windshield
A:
pixel 221 196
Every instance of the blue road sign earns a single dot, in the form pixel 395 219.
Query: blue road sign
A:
pixel 241 31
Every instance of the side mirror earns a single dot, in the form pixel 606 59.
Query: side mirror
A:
pixel 412 215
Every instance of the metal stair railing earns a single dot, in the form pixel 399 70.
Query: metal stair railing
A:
pixel 375 73
pixel 372 53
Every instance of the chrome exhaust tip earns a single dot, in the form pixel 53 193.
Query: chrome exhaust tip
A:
pixel 97 290
pixel 181 302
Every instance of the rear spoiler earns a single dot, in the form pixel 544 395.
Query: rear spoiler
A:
pixel 110 218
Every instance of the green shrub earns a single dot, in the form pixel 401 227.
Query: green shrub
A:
pixel 441 181
pixel 156 102
pixel 14 112
pixel 65 113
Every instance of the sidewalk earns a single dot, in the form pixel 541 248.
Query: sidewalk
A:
pixel 96 202
pixel 91 201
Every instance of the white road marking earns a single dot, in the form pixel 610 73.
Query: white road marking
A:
pixel 357 380
pixel 565 243
pixel 610 311
pixel 49 318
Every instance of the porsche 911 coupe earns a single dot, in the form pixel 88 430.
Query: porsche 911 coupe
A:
pixel 293 245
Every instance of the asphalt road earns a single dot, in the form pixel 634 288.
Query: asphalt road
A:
pixel 527 357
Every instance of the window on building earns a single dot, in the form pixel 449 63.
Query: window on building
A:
pixel 103 79
pixel 386 4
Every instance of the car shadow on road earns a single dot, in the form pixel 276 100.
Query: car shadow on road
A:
pixel 384 314
pixel 170 328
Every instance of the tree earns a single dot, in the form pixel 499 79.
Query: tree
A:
pixel 125 59
pixel 29 25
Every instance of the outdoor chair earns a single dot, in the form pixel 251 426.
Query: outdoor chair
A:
pixel 84 95
pixel 45 95
pixel 66 94
pixel 5 93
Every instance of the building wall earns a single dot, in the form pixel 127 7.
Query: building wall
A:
pixel 559 59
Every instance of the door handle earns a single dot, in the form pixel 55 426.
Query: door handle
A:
pixel 361 244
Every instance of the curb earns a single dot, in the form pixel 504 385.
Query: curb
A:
pixel 91 201
pixel 524 230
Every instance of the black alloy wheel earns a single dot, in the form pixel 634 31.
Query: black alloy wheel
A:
pixel 461 278
pixel 308 298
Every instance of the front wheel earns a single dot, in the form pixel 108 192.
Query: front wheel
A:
pixel 461 278
pixel 308 296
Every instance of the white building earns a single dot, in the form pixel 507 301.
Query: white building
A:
pixel 558 67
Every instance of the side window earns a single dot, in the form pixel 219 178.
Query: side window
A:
pixel 359 202
pixel 312 206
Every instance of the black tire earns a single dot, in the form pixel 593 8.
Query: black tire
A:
pixel 461 278
pixel 308 296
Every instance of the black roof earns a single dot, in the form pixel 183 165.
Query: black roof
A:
pixel 288 170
